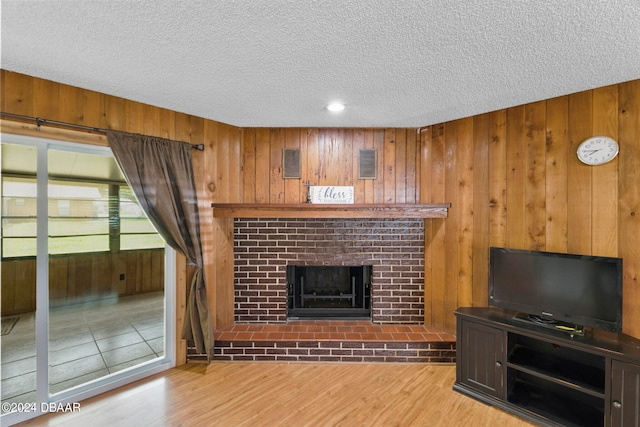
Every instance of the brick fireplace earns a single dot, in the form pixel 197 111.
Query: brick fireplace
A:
pixel 392 247
pixel 386 240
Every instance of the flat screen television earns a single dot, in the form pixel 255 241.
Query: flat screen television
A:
pixel 580 290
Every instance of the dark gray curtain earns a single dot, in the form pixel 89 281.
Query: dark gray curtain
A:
pixel 160 173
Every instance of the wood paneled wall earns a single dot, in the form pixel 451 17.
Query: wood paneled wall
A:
pixel 330 157
pixel 511 175
pixel 514 180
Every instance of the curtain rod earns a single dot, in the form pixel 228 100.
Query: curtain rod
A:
pixel 39 121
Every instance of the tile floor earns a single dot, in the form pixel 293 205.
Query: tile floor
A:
pixel 87 341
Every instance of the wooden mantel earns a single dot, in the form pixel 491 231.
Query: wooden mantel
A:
pixel 307 210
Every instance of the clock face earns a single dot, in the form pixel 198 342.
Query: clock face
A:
pixel 597 150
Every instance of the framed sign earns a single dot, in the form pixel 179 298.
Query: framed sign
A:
pixel 331 194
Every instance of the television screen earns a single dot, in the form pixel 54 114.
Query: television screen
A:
pixel 575 289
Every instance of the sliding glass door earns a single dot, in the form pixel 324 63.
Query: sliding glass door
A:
pixel 90 272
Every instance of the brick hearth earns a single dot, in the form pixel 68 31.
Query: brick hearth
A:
pixel 334 341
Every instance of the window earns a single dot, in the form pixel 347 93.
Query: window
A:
pixel 18 217
pixel 78 217
pixel 136 231
pixel 81 218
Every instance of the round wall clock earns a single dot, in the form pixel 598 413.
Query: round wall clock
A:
pixel 597 150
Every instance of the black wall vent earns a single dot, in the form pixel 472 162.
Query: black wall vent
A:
pixel 367 163
pixel 291 163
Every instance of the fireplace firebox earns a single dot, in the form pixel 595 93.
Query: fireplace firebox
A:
pixel 328 292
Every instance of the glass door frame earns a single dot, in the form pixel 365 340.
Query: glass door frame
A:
pixel 108 382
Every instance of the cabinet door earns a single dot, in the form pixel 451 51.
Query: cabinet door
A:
pixel 625 394
pixel 480 364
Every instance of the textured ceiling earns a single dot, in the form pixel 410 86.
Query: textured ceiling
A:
pixel 277 63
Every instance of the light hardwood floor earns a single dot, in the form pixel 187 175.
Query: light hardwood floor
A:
pixel 296 394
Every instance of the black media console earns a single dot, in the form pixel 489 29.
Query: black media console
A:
pixel 549 377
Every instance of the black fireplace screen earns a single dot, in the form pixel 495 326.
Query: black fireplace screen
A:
pixel 329 292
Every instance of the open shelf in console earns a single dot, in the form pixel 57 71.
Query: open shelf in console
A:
pixel 566 406
pixel 569 367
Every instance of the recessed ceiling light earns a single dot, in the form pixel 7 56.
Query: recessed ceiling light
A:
pixel 335 107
